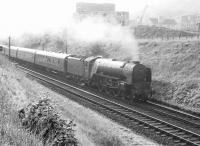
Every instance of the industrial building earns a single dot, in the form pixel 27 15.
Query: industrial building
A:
pixel 104 10
pixel 163 22
pixel 190 22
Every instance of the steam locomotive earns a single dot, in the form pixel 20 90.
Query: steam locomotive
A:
pixel 131 79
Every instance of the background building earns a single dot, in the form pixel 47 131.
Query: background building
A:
pixel 122 17
pixel 190 22
pixel 163 22
pixel 105 10
pixel 93 8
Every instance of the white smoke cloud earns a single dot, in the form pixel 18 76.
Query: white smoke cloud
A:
pixel 93 30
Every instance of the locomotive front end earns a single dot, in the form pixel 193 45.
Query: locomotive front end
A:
pixel 138 78
pixel 131 80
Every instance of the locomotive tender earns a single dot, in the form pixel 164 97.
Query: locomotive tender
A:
pixel 117 78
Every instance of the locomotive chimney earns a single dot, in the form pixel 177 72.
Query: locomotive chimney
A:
pixel 135 62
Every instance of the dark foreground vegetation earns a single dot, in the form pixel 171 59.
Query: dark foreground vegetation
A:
pixel 11 131
pixel 42 120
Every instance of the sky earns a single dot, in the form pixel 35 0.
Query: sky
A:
pixel 19 16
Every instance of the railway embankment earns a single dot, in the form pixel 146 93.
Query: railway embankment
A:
pixel 11 132
pixel 175 67
pixel 91 128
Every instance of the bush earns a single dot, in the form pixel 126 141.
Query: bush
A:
pixel 42 120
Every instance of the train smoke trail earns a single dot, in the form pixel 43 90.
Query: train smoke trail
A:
pixel 90 36
pixel 93 35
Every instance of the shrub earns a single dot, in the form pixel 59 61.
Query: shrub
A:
pixel 42 120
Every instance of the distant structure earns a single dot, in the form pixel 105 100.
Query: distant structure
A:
pixel 154 21
pixel 93 8
pixel 190 22
pixel 122 17
pixel 142 16
pixel 163 22
pixel 105 10
pixel 169 23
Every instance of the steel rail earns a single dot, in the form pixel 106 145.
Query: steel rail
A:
pixel 176 114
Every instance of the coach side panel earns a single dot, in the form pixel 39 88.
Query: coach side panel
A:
pixel 13 52
pixel 26 55
pixel 54 63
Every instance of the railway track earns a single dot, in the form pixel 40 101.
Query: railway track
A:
pixel 193 120
pixel 180 136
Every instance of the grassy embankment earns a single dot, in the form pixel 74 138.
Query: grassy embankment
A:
pixel 175 66
pixel 11 132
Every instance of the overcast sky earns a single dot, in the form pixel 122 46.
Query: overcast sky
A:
pixel 18 16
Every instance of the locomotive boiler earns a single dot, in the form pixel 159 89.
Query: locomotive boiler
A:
pixel 128 79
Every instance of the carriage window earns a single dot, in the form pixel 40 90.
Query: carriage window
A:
pixel 1 48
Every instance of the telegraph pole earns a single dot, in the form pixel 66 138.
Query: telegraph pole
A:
pixel 9 45
pixel 66 49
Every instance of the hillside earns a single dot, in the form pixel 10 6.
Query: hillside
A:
pixel 143 31
pixel 175 66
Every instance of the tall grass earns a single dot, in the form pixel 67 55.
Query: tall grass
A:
pixel 175 67
pixel 11 132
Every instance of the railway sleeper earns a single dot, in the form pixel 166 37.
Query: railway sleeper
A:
pixel 170 137
pixel 156 123
pixel 141 124
pixel 186 136
pixel 126 112
pixel 183 143
pixel 176 141
pixel 181 133
pixel 173 131
pixel 163 135
pixel 134 122
pixel 146 126
pixel 159 125
pixel 158 132
pixel 198 142
pixel 194 139
pixel 140 116
pixel 167 128
pixel 143 118
pixel 152 122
